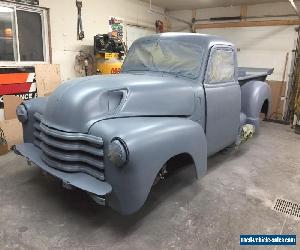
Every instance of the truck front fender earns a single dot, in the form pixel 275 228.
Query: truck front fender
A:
pixel 254 95
pixel 151 142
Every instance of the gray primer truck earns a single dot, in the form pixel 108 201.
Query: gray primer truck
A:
pixel 111 136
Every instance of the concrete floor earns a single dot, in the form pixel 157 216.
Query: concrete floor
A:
pixel 235 197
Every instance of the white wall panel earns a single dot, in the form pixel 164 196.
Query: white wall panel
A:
pixel 259 46
pixel 133 33
pixel 95 15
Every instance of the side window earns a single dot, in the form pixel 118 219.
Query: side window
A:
pixel 221 68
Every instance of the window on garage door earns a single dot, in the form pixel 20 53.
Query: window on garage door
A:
pixel 23 35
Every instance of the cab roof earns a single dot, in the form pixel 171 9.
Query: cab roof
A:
pixel 205 40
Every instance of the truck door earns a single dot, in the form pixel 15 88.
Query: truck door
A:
pixel 223 98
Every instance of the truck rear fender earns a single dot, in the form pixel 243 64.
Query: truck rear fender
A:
pixel 151 142
pixel 256 95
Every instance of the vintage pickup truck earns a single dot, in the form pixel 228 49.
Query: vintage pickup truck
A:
pixel 111 136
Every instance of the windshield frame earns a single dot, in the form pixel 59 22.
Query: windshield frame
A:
pixel 194 74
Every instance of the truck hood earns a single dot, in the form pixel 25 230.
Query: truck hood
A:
pixel 77 104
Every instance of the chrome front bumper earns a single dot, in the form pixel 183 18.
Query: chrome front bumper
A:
pixel 80 180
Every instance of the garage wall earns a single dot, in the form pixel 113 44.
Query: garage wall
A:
pixel 133 33
pixel 95 15
pixel 258 46
pixel 261 47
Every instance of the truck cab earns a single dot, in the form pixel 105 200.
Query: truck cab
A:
pixel 111 136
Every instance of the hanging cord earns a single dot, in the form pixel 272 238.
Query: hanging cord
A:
pixel 80 32
pixel 84 64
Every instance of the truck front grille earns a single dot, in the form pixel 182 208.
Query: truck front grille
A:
pixel 69 152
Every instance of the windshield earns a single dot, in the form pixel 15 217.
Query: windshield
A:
pixel 174 57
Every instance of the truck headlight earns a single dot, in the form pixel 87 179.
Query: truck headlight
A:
pixel 117 152
pixel 22 113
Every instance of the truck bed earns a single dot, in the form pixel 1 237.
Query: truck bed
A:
pixel 246 74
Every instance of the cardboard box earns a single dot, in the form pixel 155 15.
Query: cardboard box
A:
pixel 11 127
pixel 11 102
pixel 47 78
pixel 13 131
pixel 3 143
pixel 3 149
pixel 278 89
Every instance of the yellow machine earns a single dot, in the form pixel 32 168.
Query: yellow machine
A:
pixel 108 63
pixel 109 52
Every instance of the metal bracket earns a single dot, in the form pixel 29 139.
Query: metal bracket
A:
pixel 80 32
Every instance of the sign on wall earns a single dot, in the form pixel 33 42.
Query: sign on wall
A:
pixel 116 26
pixel 19 82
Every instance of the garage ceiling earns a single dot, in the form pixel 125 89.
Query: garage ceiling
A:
pixel 198 4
